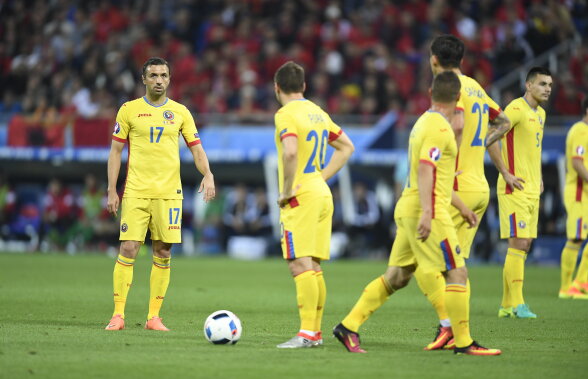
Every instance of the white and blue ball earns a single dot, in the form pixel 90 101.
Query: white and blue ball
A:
pixel 222 327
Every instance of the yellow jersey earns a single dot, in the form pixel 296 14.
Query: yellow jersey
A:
pixel 477 108
pixel 576 145
pixel 314 129
pixel 152 133
pixel 521 146
pixel 432 142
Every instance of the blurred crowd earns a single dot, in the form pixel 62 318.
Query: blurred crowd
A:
pixel 71 217
pixel 72 58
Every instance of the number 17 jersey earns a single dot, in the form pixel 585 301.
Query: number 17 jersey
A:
pixel 314 129
pixel 152 133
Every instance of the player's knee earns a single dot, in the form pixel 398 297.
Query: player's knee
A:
pixel 457 275
pixel 523 244
pixel 129 249
pixel 398 277
pixel 162 250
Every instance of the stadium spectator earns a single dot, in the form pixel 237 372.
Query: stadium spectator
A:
pixel 363 228
pixel 7 203
pixel 59 216
pixel 237 204
pixel 95 228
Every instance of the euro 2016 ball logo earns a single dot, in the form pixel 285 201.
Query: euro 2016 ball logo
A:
pixel 434 154
pixel 168 115
pixel 116 128
pixel 580 150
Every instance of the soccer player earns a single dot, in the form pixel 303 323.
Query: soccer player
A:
pixel 303 131
pixel 426 234
pixel 152 196
pixel 520 184
pixel 576 202
pixel 478 122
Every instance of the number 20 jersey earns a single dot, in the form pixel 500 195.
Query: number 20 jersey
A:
pixel 152 133
pixel 477 108
pixel 314 129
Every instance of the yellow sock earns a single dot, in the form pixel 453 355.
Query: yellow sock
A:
pixel 514 267
pixel 307 295
pixel 505 291
pixel 582 274
pixel 569 256
pixel 322 298
pixel 456 300
pixel 374 295
pixel 432 284
pixel 160 273
pixel 122 277
pixel 468 295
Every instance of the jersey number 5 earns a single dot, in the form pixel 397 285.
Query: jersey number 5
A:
pixel 480 111
pixel 313 135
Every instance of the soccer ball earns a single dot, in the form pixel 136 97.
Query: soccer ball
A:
pixel 222 327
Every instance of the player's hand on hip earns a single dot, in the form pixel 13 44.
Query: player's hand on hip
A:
pixel 470 217
pixel 424 227
pixel 286 195
pixel 514 181
pixel 207 188
pixel 112 203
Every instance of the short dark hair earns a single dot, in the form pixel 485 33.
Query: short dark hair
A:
pixel 155 61
pixel 449 50
pixel 290 77
pixel 585 105
pixel 537 70
pixel 446 87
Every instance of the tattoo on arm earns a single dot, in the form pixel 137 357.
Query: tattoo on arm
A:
pixel 497 128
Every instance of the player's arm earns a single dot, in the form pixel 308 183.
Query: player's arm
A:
pixel 511 180
pixel 457 124
pixel 343 150
pixel 578 165
pixel 201 162
pixel 290 162
pixel 466 213
pixel 425 185
pixel 113 168
pixel 497 127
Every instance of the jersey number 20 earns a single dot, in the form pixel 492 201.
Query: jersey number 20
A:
pixel 313 136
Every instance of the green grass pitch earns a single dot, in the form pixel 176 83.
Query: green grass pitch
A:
pixel 53 309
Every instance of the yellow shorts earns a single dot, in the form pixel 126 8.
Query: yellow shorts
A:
pixel 577 223
pixel 162 217
pixel 439 253
pixel 477 202
pixel 518 215
pixel 306 227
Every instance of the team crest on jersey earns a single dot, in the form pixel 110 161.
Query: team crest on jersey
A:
pixel 457 250
pixel 522 224
pixel 124 227
pixel 435 154
pixel 168 115
pixel 116 128
pixel 580 150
